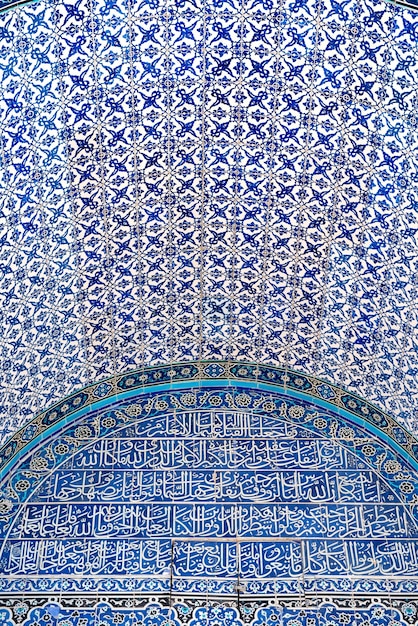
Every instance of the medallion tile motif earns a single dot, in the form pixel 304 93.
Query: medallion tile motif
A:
pixel 188 180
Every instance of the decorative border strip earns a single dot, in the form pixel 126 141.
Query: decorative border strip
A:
pixel 404 4
pixel 385 612
pixel 107 391
pixel 151 588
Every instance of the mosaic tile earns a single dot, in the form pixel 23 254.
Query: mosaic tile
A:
pixel 156 614
pixel 207 180
pixel 209 491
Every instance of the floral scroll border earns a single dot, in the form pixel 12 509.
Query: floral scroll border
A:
pixel 128 612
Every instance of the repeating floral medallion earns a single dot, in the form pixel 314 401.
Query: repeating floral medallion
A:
pixel 207 179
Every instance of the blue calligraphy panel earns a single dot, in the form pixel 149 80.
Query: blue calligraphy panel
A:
pixel 308 486
pixel 199 501
pixel 154 501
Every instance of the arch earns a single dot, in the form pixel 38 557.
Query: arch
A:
pixel 199 374
pixel 208 489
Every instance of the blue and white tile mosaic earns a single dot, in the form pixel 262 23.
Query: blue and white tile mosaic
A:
pixel 192 179
pixel 238 492
pixel 155 614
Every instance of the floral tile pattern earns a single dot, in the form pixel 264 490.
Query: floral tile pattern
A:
pixel 224 179
pixel 154 614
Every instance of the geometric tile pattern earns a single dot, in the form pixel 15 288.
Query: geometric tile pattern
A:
pixel 232 179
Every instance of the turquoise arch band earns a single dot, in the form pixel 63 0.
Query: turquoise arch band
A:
pixel 106 393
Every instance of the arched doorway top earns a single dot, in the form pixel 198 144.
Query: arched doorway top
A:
pixel 195 375
pixel 203 485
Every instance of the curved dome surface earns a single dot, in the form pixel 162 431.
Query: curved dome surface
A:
pixel 215 498
pixel 191 180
